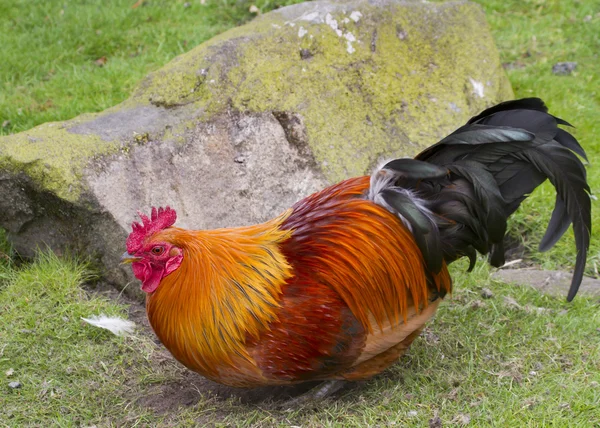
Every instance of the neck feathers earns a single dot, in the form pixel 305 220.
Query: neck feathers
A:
pixel 226 289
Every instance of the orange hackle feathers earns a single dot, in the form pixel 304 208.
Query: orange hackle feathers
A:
pixel 226 289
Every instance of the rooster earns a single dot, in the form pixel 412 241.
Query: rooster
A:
pixel 339 286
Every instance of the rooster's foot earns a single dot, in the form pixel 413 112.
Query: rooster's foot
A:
pixel 315 395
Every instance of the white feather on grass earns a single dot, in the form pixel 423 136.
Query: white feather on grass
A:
pixel 116 325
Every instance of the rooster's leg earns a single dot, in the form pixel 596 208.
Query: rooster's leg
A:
pixel 315 395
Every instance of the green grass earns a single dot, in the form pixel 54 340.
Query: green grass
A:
pixel 476 359
pixel 60 362
pixel 70 372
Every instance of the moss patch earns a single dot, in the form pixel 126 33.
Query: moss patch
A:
pixel 53 157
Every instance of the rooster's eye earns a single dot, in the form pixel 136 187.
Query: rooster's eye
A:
pixel 158 250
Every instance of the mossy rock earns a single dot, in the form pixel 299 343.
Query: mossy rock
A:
pixel 245 124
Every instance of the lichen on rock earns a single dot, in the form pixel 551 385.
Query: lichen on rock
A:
pixel 52 157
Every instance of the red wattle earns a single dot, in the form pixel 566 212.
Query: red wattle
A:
pixel 148 274
pixel 151 283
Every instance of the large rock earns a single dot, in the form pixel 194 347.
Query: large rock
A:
pixel 241 127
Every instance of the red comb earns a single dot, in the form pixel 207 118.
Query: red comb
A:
pixel 159 219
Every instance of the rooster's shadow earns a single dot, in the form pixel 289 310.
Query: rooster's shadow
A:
pixel 193 389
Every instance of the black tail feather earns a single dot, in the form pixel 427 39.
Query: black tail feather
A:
pixel 558 225
pixel 483 171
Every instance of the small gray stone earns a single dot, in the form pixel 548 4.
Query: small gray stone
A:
pixel 435 422
pixel 564 68
pixel 486 293
pixel 15 385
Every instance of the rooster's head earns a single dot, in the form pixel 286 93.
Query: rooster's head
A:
pixel 151 257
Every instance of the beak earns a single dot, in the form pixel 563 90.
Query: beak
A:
pixel 127 258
